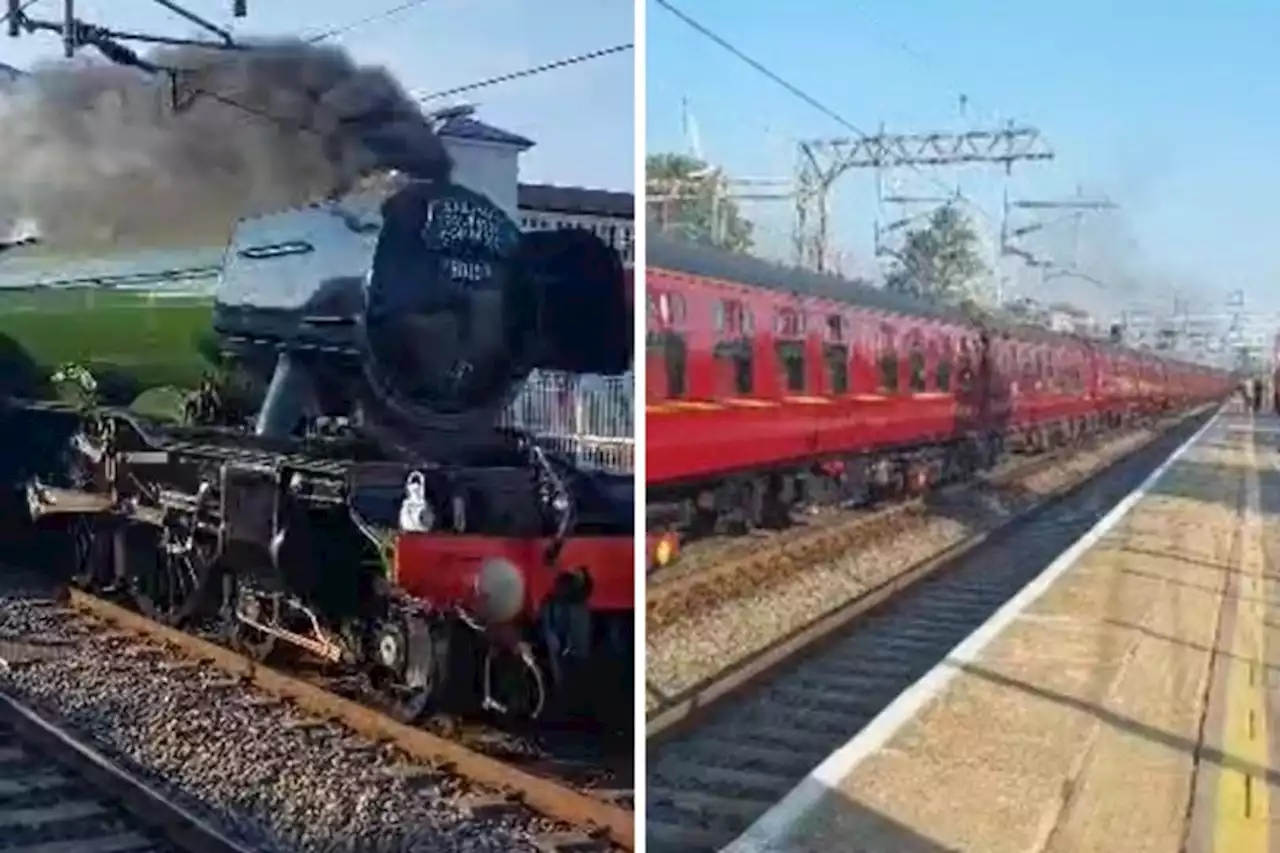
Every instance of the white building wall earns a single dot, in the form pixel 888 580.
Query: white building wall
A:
pixel 489 168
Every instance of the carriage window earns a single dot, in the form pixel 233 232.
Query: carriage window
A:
pixel 789 323
pixel 965 366
pixel 942 377
pixel 944 373
pixel 835 329
pixel 888 361
pixel 837 359
pixel 791 359
pixel 678 310
pixel 675 357
pixel 664 309
pixel 889 371
pixel 734 318
pixel 737 356
pixel 720 317
pixel 917 380
pixel 655 337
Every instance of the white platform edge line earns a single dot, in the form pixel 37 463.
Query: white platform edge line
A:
pixel 770 830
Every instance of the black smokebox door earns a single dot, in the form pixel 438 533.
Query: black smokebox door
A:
pixel 435 318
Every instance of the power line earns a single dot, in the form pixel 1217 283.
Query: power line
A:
pixel 809 99
pixel 529 72
pixel 965 100
pixel 763 69
pixel 802 94
pixel 105 41
pixel 316 39
pixel 480 84
pixel 115 51
pixel 368 19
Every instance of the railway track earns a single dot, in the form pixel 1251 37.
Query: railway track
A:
pixel 60 795
pixel 705 552
pixel 715 765
pixel 579 806
pixel 733 568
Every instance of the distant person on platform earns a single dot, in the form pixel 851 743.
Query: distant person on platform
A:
pixel 1257 395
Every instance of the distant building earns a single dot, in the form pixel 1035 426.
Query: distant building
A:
pixel 610 215
pixel 1068 319
pixel 487 159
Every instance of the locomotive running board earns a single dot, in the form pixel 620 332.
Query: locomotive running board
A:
pixel 45 500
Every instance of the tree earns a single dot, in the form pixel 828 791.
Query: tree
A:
pixel 687 196
pixel 939 261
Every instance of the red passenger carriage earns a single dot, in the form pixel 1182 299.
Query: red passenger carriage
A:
pixel 769 385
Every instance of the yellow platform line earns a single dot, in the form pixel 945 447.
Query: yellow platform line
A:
pixel 1243 801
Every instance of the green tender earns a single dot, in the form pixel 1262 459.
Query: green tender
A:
pixel 135 340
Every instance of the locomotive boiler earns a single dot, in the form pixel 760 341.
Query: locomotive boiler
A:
pixel 366 506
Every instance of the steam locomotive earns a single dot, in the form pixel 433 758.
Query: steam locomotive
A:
pixel 370 510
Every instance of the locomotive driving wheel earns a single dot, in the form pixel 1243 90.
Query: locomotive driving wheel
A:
pixel 407 674
pixel 169 573
pixel 90 554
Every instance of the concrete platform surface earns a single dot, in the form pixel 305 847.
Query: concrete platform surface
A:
pixel 1121 703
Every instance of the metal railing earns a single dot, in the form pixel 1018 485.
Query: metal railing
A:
pixel 587 418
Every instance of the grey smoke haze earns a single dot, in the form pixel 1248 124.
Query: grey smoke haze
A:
pixel 1105 246
pixel 93 152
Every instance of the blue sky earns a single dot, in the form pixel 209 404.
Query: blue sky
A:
pixel 1168 108
pixel 581 117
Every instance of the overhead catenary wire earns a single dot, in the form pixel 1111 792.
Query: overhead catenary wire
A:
pixel 530 72
pixel 479 84
pixel 375 17
pixel 813 102
pixel 803 95
pixel 120 54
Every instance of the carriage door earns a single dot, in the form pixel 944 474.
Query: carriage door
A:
pixel 666 353
pixel 789 330
pixel 656 387
pixel 917 363
pixel 887 360
pixel 731 354
pixel 835 356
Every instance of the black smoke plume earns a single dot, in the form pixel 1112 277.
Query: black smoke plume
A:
pixel 92 152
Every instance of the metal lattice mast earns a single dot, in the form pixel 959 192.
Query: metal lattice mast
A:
pixel 822 162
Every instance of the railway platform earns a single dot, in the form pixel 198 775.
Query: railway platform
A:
pixel 1123 701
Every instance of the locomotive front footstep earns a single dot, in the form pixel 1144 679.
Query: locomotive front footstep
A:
pixel 365 507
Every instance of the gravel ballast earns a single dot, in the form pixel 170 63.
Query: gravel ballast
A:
pixel 233 757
